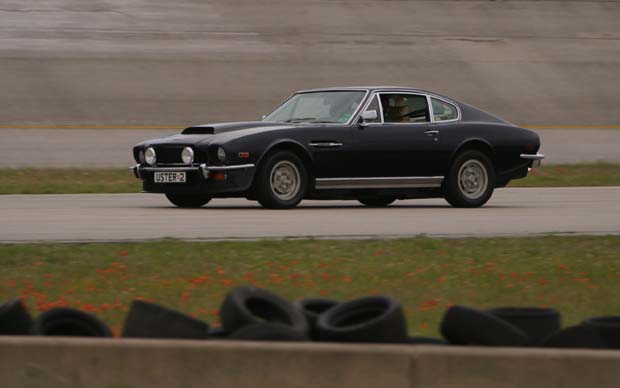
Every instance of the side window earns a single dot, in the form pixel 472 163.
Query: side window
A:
pixel 443 111
pixel 404 108
pixel 374 105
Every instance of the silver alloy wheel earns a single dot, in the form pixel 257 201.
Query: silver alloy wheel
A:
pixel 473 179
pixel 285 180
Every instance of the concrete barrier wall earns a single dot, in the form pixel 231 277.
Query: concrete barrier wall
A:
pixel 161 62
pixel 62 362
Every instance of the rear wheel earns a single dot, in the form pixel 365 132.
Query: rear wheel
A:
pixel 376 201
pixel 281 181
pixel 471 180
pixel 188 200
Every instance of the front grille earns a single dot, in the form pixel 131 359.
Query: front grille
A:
pixel 169 155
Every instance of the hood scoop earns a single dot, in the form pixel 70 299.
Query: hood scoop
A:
pixel 198 131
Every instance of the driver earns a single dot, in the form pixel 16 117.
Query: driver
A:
pixel 397 110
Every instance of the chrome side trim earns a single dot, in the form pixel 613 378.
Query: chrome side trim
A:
pixel 536 156
pixel 379 182
pixel 328 144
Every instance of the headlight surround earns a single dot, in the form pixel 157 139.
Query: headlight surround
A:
pixel 187 155
pixel 221 154
pixel 150 157
pixel 141 156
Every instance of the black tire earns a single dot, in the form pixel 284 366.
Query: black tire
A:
pixel 188 200
pixel 467 326
pixel 538 323
pixel 313 308
pixel 149 320
pixel 14 318
pixel 268 194
pixel 65 321
pixel 247 305
pixel 608 328
pixel 376 201
pixel 456 194
pixel 377 319
pixel 581 337
pixel 268 332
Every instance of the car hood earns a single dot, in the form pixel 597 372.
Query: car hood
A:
pixel 220 132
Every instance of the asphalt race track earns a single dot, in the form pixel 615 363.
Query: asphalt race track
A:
pixel 133 217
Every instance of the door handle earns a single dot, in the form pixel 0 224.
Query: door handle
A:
pixel 325 144
pixel 432 132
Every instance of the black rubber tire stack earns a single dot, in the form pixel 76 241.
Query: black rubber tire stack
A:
pixel 378 319
pixel 537 322
pixel 313 308
pixel 66 321
pixel 14 318
pixel 251 306
pixel 467 326
pixel 149 320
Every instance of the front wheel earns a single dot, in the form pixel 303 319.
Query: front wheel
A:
pixel 376 201
pixel 471 180
pixel 188 200
pixel 281 181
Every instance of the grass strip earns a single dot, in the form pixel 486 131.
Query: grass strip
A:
pixel 572 175
pixel 579 275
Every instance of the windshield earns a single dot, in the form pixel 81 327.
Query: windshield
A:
pixel 318 107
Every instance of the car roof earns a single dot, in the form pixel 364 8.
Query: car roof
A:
pixel 369 88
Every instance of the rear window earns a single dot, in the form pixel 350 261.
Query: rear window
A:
pixel 443 111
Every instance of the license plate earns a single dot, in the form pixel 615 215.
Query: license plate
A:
pixel 170 177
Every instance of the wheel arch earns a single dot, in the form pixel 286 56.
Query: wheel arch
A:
pixel 293 146
pixel 475 144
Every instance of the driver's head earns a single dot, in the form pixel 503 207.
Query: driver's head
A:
pixel 398 101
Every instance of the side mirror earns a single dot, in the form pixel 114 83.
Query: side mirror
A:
pixel 263 117
pixel 369 115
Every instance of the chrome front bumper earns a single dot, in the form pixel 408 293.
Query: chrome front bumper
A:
pixel 203 169
pixel 535 158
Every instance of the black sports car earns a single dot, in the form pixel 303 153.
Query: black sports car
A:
pixel 371 144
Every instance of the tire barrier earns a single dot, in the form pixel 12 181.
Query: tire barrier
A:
pixel 65 321
pixel 148 320
pixel 14 318
pixel 312 309
pixel 255 314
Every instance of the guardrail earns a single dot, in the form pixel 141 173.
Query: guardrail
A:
pixel 130 363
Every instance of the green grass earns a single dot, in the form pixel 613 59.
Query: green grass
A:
pixel 580 275
pixel 68 181
pixel 72 181
pixel 572 175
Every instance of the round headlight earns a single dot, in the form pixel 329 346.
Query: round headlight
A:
pixel 221 154
pixel 149 156
pixel 187 155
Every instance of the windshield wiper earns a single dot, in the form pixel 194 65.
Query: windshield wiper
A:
pixel 299 119
pixel 324 121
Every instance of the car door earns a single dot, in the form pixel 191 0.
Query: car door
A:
pixel 401 142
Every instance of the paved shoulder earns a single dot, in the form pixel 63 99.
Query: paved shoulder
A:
pixel 127 217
